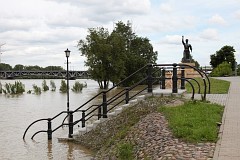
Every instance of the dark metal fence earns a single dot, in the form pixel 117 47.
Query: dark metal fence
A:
pixel 155 75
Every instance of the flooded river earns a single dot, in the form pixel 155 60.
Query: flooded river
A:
pixel 17 112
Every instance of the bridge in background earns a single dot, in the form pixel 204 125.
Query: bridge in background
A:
pixel 45 74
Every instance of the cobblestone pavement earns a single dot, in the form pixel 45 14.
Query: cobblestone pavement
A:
pixel 155 141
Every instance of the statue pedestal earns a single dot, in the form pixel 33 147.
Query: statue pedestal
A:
pixel 190 72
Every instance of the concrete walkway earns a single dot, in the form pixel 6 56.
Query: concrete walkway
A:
pixel 228 146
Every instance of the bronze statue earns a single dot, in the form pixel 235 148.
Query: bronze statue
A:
pixel 186 53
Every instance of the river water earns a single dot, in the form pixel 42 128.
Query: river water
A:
pixel 17 112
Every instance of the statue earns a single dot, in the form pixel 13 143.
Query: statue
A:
pixel 186 53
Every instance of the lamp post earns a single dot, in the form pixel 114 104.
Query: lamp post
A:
pixel 67 52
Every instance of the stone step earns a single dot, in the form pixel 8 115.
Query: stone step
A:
pixel 75 134
pixel 82 131
pixel 95 123
pixel 140 98
pixel 111 114
pixel 89 127
pixel 132 102
pixel 118 110
pixel 102 119
pixel 125 105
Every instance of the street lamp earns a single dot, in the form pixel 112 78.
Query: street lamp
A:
pixel 67 52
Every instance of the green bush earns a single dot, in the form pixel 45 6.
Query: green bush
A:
pixel 63 87
pixel 45 86
pixel 53 85
pixel 223 69
pixel 36 89
pixel 16 88
pixel 77 87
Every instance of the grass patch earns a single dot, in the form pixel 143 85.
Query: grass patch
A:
pixel 194 121
pixel 217 86
pixel 125 151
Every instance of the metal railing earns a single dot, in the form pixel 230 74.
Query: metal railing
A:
pixel 121 97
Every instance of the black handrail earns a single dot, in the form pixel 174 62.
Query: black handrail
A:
pixel 193 90
pixel 199 88
pixel 106 102
pixel 196 69
pixel 37 133
pixel 200 71
pixel 43 119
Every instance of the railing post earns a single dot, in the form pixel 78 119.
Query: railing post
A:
pixel 174 79
pixel 83 119
pixel 70 124
pixel 49 131
pixel 182 77
pixel 127 95
pixel 149 78
pixel 104 104
pixel 163 78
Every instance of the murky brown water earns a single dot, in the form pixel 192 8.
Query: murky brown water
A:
pixel 17 112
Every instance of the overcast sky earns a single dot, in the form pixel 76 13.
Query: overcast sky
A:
pixel 37 32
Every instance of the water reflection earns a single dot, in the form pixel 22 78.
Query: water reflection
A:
pixel 49 153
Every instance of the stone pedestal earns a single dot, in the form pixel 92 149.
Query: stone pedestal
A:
pixel 190 72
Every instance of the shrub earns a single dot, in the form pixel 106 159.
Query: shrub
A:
pixel 223 69
pixel 16 88
pixel 45 86
pixel 77 87
pixel 63 87
pixel 36 89
pixel 53 86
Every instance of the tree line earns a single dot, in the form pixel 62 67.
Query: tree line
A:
pixel 20 67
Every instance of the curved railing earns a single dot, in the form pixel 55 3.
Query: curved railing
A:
pixel 121 97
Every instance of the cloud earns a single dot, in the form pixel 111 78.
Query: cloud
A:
pixel 172 39
pixel 209 34
pixel 237 14
pixel 39 31
pixel 216 19
pixel 166 8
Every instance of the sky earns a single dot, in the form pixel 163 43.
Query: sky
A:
pixel 37 32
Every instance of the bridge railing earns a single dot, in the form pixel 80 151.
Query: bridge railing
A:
pixel 153 74
pixel 50 73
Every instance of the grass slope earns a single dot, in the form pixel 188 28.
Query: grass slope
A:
pixel 216 86
pixel 194 121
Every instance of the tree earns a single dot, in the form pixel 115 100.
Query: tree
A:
pixel 53 68
pixel 18 67
pixel 226 53
pixel 112 57
pixel 97 49
pixel 138 51
pixel 33 68
pixel 5 67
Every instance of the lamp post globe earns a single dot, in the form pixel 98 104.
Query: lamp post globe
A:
pixel 67 52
